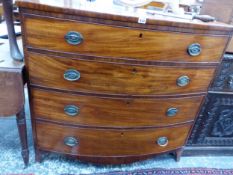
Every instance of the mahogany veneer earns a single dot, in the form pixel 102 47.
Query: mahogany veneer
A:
pixel 113 112
pixel 108 89
pixel 109 142
pixel 113 78
pixel 120 42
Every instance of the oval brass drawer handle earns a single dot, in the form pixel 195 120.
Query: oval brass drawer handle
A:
pixel 71 110
pixel 194 49
pixel 162 141
pixel 72 75
pixel 74 38
pixel 70 141
pixel 183 81
pixel 171 112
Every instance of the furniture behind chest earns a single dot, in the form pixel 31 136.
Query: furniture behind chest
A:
pixel 213 131
pixel 12 80
pixel 12 95
pixel 115 85
pixel 222 11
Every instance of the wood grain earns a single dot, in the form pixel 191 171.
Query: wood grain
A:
pixel 110 78
pixel 97 142
pixel 128 72
pixel 120 42
pixel 113 112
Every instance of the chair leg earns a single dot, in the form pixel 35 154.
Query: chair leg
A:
pixel 8 13
pixel 22 128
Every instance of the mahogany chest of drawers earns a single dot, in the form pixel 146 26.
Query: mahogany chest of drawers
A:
pixel 107 88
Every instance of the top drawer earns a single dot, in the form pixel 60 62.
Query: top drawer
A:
pixel 121 42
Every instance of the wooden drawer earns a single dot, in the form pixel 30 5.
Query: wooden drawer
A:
pixel 113 112
pixel 109 78
pixel 121 42
pixel 100 142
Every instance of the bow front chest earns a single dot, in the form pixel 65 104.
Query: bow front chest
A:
pixel 114 85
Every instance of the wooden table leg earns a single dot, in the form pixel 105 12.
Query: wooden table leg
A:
pixel 178 154
pixel 8 13
pixel 22 128
pixel 38 155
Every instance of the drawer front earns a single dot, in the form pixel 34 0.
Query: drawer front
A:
pixel 109 78
pixel 97 142
pixel 119 42
pixel 112 112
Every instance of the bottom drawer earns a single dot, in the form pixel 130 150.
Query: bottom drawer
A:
pixel 111 142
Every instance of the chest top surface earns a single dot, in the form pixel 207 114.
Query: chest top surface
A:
pixel 110 11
